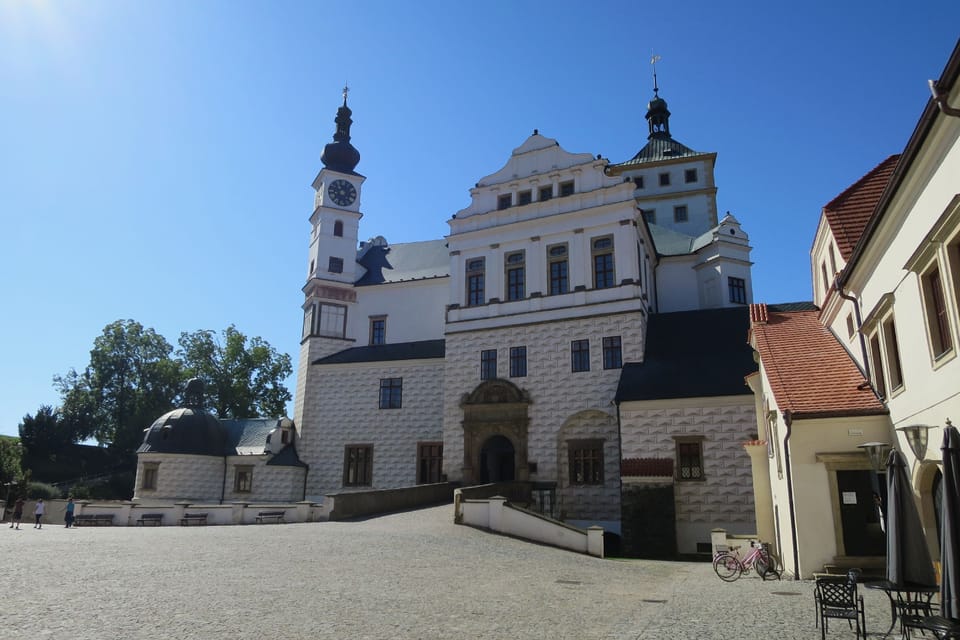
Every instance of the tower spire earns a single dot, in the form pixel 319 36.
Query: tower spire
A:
pixel 658 116
pixel 340 155
pixel 654 59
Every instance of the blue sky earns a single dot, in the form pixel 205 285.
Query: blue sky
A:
pixel 156 157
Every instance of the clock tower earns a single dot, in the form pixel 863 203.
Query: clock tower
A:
pixel 329 294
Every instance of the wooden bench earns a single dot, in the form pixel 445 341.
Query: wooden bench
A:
pixel 193 518
pixel 94 519
pixel 153 519
pixel 276 516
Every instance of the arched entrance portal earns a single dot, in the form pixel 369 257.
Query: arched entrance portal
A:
pixel 495 433
pixel 497 461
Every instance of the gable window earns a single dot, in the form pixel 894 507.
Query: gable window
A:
pixel 475 282
pixel 391 393
pixel 612 353
pixel 358 465
pixel 850 329
pixel 664 179
pixel 566 188
pixel 603 275
pixel 833 260
pixel 557 261
pixel 580 355
pixel 650 215
pixel 936 313
pixel 738 290
pixel 518 362
pixel 892 353
pixel 332 320
pixel 378 329
pixel 149 478
pixel 488 364
pixel 504 201
pixel 516 272
pixel 680 213
pixel 689 459
pixel 877 369
pixel 545 193
pixel 586 461
pixel 243 479
pixel 826 278
pixel 335 265
pixel 690 175
pixel 638 182
pixel 338 228
pixel 524 197
pixel 429 462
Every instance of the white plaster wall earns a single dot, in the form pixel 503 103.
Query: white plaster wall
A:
pixel 181 477
pixel 271 483
pixel 345 400
pixel 556 393
pixel 724 498
pixel 677 286
pixel 414 310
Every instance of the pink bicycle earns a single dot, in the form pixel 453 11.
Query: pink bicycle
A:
pixel 729 565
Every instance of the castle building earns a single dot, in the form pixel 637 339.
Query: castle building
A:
pixel 515 348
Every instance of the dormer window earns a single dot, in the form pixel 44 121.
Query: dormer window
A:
pixel 566 188
pixel 504 201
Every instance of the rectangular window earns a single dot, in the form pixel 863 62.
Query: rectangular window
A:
pixel 603 274
pixel 429 462
pixel 475 282
pixel 333 319
pixel 358 465
pixel 680 213
pixel 850 328
pixel 524 197
pixel 689 460
pixel 557 262
pixel 488 364
pixel 335 265
pixel 664 179
pixel 738 290
pixel 833 261
pixel 936 311
pixel 892 354
pixel 612 353
pixel 566 188
pixel 308 321
pixel 580 355
pixel 650 215
pixel 516 275
pixel 586 461
pixel 378 330
pixel 638 182
pixel 690 175
pixel 518 362
pixel 877 371
pixel 243 479
pixel 504 201
pixel 545 193
pixel 826 278
pixel 149 478
pixel 391 393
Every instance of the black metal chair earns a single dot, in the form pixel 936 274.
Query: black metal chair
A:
pixel 837 597
pixel 942 628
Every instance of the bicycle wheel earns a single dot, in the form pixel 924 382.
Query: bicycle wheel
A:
pixel 727 567
pixel 766 564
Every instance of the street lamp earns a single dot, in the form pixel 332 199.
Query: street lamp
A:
pixel 876 452
pixel 916 435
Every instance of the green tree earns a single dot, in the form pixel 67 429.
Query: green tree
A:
pixel 42 434
pixel 10 454
pixel 243 379
pixel 130 381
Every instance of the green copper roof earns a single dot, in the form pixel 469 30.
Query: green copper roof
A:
pixel 660 148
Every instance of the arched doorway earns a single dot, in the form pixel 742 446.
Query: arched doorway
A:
pixel 497 460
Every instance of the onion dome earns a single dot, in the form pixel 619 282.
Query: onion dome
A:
pixel 188 430
pixel 340 155
pixel 658 117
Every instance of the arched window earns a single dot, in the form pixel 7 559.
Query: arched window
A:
pixel 338 229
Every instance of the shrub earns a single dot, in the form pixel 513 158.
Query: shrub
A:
pixel 42 490
pixel 79 492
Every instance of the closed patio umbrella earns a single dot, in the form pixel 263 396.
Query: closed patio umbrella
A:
pixel 950 525
pixel 908 559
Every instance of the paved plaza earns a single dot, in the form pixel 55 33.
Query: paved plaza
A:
pixel 408 575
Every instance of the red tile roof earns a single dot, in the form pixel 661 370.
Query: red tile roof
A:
pixel 849 212
pixel 810 373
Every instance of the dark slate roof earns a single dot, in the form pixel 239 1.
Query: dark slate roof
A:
pixel 187 430
pixel 248 437
pixel 788 307
pixel 691 354
pixel 286 457
pixel 405 261
pixel 669 242
pixel 421 350
pixel 660 148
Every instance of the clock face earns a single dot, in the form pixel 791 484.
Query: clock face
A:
pixel 342 192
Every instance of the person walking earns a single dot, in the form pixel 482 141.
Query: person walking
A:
pixel 17 513
pixel 38 513
pixel 68 517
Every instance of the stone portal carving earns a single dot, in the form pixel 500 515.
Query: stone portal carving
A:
pixel 494 408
